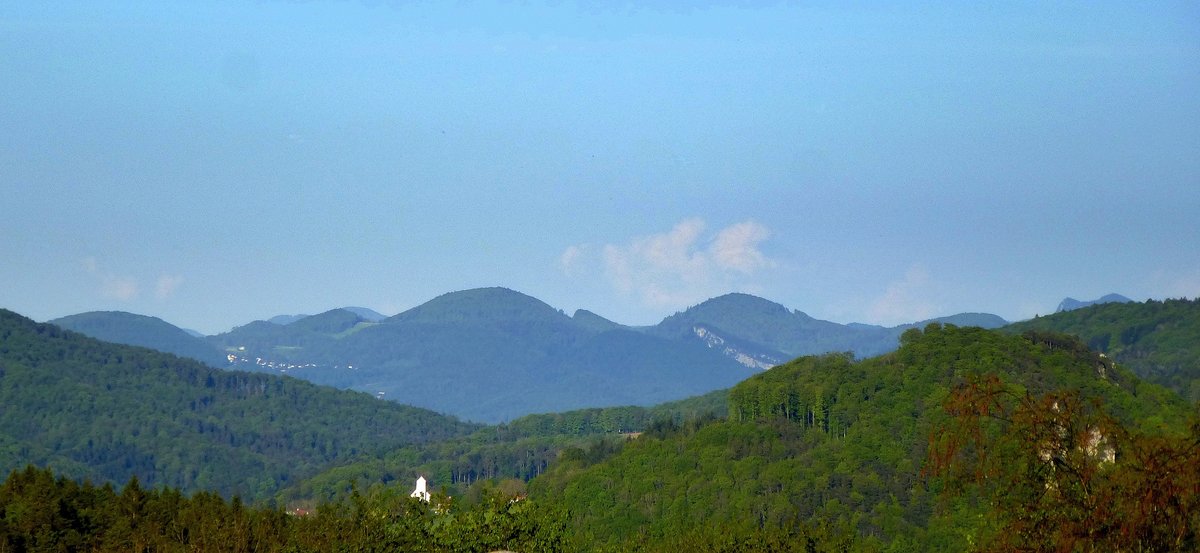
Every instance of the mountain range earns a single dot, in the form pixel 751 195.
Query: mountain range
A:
pixel 493 354
pixel 104 411
pixel 364 313
pixel 1071 304
pixel 826 451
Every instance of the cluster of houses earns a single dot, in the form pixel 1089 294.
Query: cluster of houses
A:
pixel 283 367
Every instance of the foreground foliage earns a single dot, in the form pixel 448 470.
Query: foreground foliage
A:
pixel 522 449
pixel 1062 475
pixel 39 512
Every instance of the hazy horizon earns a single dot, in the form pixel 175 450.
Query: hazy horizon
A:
pixel 1049 310
pixel 213 163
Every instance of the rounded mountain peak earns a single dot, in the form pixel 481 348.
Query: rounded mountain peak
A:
pixel 481 305
pixel 739 306
pixel 739 301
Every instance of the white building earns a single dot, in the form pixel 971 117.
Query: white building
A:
pixel 421 492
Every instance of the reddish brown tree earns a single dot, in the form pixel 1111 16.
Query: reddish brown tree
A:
pixel 1061 475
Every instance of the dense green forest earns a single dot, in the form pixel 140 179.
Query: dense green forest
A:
pixel 520 450
pixel 140 330
pixel 41 512
pixel 834 440
pixel 92 409
pixel 962 439
pixel 1157 340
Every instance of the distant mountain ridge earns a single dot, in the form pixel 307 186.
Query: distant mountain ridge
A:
pixel 774 331
pixel 284 320
pixel 366 314
pixel 488 354
pixel 587 318
pixel 140 330
pixel 363 313
pixel 759 321
pixel 1071 304
pixel 494 354
pixel 481 305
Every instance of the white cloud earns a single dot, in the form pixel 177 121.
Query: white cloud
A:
pixel 673 251
pixel 118 287
pixel 121 287
pixel 166 286
pixel 905 300
pixel 571 258
pixel 736 247
pixel 616 264
pixel 680 267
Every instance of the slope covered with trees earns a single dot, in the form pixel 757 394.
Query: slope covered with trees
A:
pixel 1057 473
pixel 1157 340
pixel 139 330
pixel 831 448
pixel 42 512
pixel 107 412
pixel 962 439
pixel 517 451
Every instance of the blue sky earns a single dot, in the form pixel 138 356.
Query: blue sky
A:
pixel 213 162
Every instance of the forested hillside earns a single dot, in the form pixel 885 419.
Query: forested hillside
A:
pixel 1157 340
pixel 42 512
pixel 139 330
pixel 520 450
pixel 107 412
pixel 824 453
pixel 831 449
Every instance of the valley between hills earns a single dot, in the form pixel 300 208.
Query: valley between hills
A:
pixel 735 425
